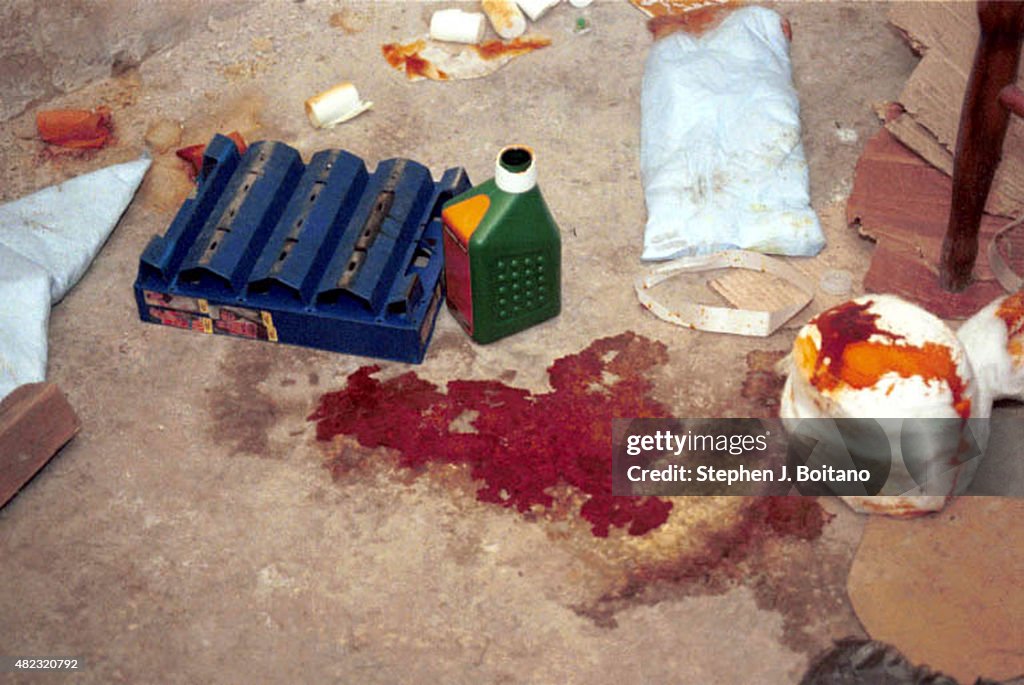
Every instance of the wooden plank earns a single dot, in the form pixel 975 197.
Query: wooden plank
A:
pixel 35 422
pixel 902 202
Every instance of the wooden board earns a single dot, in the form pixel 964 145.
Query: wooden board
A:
pixel 35 421
pixel 902 202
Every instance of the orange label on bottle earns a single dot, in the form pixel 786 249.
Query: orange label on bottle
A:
pixel 464 217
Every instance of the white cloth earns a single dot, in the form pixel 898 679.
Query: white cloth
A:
pixel 720 153
pixel 47 241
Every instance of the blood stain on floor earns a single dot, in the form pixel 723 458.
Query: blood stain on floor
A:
pixel 522 444
pixel 551 453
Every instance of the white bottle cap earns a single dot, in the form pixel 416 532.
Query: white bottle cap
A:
pixel 580 3
pixel 514 170
pixel 457 26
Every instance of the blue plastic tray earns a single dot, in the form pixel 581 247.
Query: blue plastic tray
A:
pixel 323 254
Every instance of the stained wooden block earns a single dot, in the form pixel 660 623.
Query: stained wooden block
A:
pixel 35 422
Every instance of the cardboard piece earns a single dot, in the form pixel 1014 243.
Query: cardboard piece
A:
pixel 945 589
pixel 746 289
pixel 902 202
pixel 946 34
pixel 762 319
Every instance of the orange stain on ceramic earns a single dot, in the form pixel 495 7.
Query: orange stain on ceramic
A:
pixel 851 355
pixel 1011 311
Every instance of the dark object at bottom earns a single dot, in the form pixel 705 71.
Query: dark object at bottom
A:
pixel 853 661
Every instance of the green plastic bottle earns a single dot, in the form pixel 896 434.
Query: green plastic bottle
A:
pixel 503 252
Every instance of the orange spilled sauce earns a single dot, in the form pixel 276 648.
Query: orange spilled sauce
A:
pixel 407 58
pixel 850 358
pixel 492 49
pixel 665 8
pixel 1011 311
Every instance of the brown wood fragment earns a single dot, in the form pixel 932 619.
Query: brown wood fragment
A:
pixel 902 202
pixel 35 422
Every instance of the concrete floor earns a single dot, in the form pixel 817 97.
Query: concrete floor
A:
pixel 191 533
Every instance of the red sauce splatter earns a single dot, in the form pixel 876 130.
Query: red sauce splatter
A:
pixel 525 443
pixel 407 58
pixel 689 18
pixel 696 22
pixel 193 154
pixel 76 128
pixel 848 357
pixel 493 49
pixel 844 325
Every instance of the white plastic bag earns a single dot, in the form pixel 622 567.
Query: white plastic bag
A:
pixel 720 153
pixel 47 241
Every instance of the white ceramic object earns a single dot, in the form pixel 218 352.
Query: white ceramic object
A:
pixel 457 26
pixel 894 363
pixel 335 106
pixel 994 339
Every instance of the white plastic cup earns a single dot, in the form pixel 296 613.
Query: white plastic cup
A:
pixel 506 18
pixel 336 105
pixel 457 26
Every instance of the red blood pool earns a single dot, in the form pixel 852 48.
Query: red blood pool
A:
pixel 525 443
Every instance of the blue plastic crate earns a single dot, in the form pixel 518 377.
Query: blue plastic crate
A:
pixel 323 254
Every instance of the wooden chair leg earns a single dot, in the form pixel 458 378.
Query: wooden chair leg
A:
pixel 983 123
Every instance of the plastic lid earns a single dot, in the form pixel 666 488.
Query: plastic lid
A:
pixel 514 170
